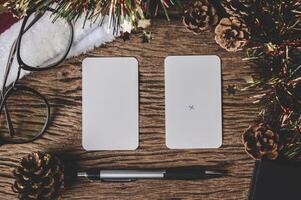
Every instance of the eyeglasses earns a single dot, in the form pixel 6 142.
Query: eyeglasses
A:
pixel 24 112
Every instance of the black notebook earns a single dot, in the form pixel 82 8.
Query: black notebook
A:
pixel 274 180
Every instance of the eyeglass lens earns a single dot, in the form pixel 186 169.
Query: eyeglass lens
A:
pixel 46 42
pixel 28 114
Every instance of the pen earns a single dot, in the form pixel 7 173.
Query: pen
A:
pixel 183 173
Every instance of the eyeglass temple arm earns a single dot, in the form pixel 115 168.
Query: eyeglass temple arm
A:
pixel 8 118
pixel 9 123
pixel 11 56
pixel 13 52
pixel 7 70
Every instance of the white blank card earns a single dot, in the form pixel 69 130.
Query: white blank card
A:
pixel 110 103
pixel 193 104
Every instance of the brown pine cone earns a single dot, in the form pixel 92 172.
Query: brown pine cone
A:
pixel 232 34
pixel 39 176
pixel 200 16
pixel 260 141
pixel 238 8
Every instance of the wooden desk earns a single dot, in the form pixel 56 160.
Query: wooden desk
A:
pixel 62 86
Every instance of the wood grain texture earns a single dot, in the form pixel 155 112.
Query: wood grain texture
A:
pixel 62 86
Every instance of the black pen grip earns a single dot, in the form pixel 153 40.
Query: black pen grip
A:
pixel 93 174
pixel 187 173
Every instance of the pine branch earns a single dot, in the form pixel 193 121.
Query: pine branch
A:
pixel 118 10
pixel 275 49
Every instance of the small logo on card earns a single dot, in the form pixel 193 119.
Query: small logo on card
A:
pixel 191 107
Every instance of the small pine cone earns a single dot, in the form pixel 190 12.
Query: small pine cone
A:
pixel 232 34
pixel 39 176
pixel 200 16
pixel 260 141
pixel 238 8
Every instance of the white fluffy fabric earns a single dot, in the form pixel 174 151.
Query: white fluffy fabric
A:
pixel 46 40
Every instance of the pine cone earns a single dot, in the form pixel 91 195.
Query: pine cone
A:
pixel 200 16
pixel 232 34
pixel 39 176
pixel 260 141
pixel 238 8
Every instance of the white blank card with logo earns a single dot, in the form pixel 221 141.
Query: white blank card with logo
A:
pixel 193 104
pixel 110 103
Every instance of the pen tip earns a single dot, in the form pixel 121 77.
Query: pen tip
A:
pixel 214 174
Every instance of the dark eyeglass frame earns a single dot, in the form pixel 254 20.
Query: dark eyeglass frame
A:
pixel 14 87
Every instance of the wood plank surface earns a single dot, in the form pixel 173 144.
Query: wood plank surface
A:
pixel 62 87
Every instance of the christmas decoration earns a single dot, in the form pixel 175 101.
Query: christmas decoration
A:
pixel 232 34
pixel 2 9
pixel 125 36
pixel 299 125
pixel 146 37
pixel 260 141
pixel 200 15
pixel 7 20
pixel 231 89
pixel 39 176
pixel 238 8
pixel 274 48
pixel 117 10
pixel 270 32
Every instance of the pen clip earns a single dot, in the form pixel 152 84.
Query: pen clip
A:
pixel 117 180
